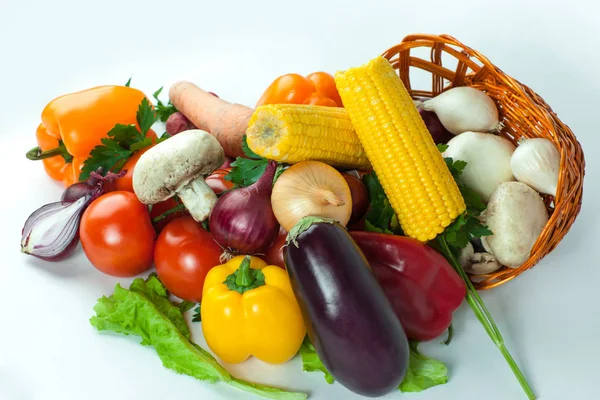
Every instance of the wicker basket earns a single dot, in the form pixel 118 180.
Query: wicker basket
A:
pixel 524 114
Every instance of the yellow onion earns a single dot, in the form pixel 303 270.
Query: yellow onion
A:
pixel 311 188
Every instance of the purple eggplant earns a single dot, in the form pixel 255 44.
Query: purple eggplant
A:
pixel 349 319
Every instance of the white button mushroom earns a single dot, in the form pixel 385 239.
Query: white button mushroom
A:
pixel 516 214
pixel 178 166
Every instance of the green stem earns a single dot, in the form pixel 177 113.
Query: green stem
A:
pixel 450 335
pixel 244 278
pixel 179 207
pixel 484 316
pixel 36 153
pixel 266 391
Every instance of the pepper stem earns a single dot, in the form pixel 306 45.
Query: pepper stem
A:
pixel 37 154
pixel 244 278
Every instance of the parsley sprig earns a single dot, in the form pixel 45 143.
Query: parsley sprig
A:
pixel 163 110
pixel 121 142
pixel 247 170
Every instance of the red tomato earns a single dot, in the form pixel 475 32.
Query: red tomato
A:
pixel 274 256
pixel 117 235
pixel 125 182
pixel 161 208
pixel 184 254
pixel 217 181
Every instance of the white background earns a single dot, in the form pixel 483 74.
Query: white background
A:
pixel 48 350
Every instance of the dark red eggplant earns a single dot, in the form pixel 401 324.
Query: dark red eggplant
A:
pixel 349 320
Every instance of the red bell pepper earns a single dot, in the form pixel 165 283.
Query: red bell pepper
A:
pixel 421 285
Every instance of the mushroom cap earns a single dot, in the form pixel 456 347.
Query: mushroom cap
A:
pixel 170 165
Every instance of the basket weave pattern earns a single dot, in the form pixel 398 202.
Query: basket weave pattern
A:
pixel 523 113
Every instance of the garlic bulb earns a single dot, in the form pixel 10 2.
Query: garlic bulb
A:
pixel 536 162
pixel 464 108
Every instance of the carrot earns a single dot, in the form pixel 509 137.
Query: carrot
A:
pixel 225 121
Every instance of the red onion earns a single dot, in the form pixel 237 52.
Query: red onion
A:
pixel 435 127
pixel 52 231
pixel 360 197
pixel 177 122
pixel 242 221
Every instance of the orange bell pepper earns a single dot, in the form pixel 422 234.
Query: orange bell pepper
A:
pixel 317 88
pixel 73 124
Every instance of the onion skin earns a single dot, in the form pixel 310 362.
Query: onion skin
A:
pixel 311 188
pixel 242 221
pixel 360 198
pixel 435 127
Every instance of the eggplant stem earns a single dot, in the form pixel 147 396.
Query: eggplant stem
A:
pixel 484 316
pixel 331 198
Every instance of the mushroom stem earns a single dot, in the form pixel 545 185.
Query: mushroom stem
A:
pixel 198 198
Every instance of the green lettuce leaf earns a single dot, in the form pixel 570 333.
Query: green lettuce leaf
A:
pixel 145 310
pixel 423 372
pixel 311 361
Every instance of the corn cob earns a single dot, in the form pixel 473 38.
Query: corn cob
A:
pixel 412 172
pixel 291 133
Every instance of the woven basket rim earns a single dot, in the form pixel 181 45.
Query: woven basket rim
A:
pixel 524 113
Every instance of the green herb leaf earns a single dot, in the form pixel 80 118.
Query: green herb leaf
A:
pixel 381 215
pixel 163 137
pixel 311 361
pixel 145 311
pixel 163 111
pixel 467 226
pixel 247 151
pixel 110 156
pixel 121 142
pixel 423 372
pixel 442 147
pixel 244 171
pixel 146 117
pixel 197 317
pixel 128 83
pixel 455 167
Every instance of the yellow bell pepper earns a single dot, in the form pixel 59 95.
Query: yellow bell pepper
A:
pixel 249 309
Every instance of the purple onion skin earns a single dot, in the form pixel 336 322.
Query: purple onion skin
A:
pixel 435 127
pixel 177 122
pixel 91 189
pixel 76 190
pixel 227 162
pixel 242 221
pixel 66 253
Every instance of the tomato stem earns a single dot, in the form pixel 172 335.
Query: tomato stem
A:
pixel 177 208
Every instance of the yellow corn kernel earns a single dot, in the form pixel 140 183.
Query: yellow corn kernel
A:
pixel 291 133
pixel 412 171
